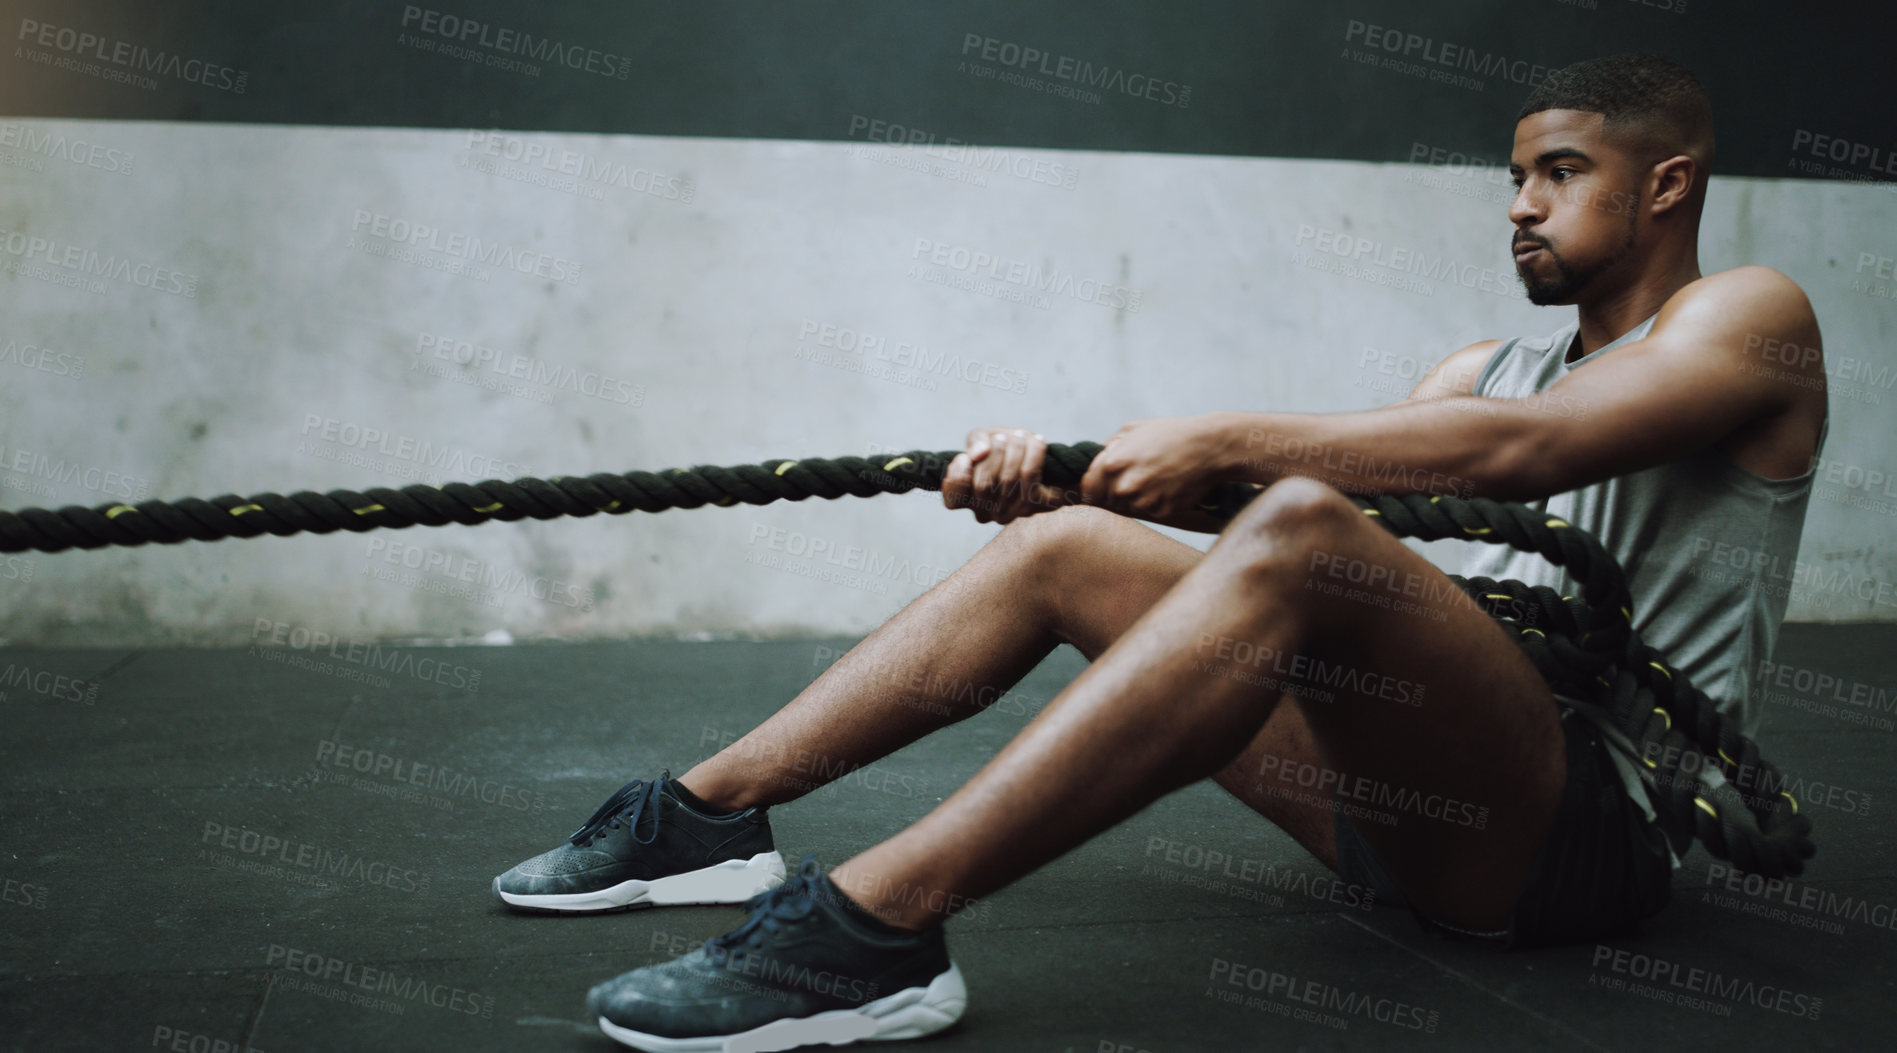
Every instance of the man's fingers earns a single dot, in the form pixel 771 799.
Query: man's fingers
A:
pixel 1093 485
pixel 1013 484
pixel 1032 461
pixel 983 496
pixel 955 482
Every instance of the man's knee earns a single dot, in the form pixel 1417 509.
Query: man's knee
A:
pixel 1296 507
pixel 1062 527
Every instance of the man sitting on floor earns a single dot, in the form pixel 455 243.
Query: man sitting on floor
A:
pixel 1647 422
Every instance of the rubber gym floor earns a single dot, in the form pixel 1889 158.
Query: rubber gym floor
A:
pixel 290 850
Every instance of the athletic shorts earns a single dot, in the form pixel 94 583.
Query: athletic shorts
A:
pixel 1603 867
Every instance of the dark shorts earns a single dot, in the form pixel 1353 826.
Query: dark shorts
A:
pixel 1602 868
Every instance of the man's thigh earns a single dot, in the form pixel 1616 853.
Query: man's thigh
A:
pixel 1417 715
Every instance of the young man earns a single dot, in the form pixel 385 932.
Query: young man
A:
pixel 1650 421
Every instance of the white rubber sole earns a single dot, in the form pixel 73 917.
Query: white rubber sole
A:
pixel 909 1013
pixel 732 881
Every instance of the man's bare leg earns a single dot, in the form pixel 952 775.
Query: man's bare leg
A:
pixel 1141 722
pixel 1076 573
pixel 1079 575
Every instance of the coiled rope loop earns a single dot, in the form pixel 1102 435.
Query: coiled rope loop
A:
pixel 1712 784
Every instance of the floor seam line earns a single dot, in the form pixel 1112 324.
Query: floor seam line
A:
pixel 1466 980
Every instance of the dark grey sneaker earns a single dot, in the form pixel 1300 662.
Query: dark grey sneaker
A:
pixel 646 848
pixel 808 968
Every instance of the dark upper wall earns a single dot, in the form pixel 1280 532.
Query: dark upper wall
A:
pixel 1262 79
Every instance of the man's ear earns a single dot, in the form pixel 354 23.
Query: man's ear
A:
pixel 1672 181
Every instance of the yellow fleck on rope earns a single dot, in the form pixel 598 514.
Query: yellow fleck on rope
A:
pixel 117 510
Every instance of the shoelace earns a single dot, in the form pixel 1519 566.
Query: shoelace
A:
pixel 770 911
pixel 630 802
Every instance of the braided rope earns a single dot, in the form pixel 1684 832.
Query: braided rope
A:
pixel 1584 647
pixel 1588 648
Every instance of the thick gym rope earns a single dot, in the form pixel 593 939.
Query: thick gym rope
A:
pixel 1712 784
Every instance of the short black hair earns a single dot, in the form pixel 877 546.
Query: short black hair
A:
pixel 1653 104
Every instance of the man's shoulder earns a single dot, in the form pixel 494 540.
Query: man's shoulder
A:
pixel 1755 295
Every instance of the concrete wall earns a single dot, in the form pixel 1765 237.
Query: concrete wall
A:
pixel 270 320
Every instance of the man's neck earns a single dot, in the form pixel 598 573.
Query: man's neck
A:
pixel 1605 320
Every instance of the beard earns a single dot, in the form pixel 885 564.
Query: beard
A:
pixel 1568 280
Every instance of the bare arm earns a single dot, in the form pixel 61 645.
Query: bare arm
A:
pixel 1682 388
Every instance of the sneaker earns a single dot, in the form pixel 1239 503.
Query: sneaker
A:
pixel 808 968
pixel 647 848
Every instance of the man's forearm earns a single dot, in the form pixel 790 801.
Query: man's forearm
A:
pixel 1459 445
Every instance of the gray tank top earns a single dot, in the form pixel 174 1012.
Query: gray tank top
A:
pixel 1709 547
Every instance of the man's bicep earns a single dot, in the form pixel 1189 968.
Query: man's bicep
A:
pixel 1684 387
pixel 1455 375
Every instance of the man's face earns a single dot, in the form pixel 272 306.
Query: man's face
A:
pixel 1577 205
